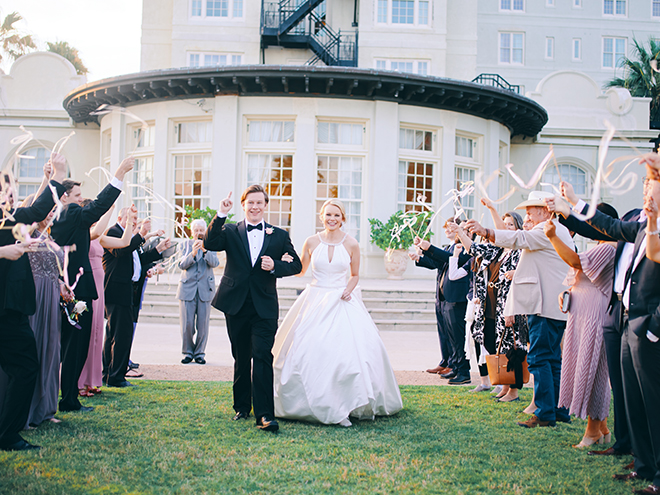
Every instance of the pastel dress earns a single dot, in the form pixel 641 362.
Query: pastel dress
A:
pixel 329 360
pixel 585 388
pixel 91 374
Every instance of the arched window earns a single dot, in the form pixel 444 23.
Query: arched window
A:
pixel 30 170
pixel 570 173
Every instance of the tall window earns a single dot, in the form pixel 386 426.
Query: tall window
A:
pixel 420 67
pixel 512 5
pixel 415 179
pixel 577 49
pixel 511 48
pixel 191 181
pixel 549 48
pixel 214 9
pixel 275 173
pixel 655 8
pixel 463 175
pixel 614 7
pixel 211 59
pixel 30 171
pixel 614 50
pixel 338 133
pixel 341 177
pixel 408 12
pixel 271 131
pixel 572 174
pixel 142 185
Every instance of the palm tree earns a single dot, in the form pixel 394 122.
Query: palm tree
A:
pixel 13 44
pixel 70 53
pixel 640 75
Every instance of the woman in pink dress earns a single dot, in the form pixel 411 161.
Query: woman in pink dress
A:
pixel 584 387
pixel 91 378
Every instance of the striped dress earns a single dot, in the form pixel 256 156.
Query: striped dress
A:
pixel 584 386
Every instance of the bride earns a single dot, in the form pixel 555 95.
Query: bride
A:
pixel 329 360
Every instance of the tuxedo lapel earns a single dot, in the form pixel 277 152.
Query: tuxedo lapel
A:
pixel 266 239
pixel 242 233
pixel 641 236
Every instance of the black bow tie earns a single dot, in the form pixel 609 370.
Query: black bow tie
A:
pixel 252 227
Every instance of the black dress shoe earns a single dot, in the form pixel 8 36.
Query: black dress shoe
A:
pixel 449 375
pixel 627 476
pixel 268 423
pixel 240 415
pixel 460 380
pixel 200 360
pixel 651 490
pixel 18 446
pixel 186 360
pixel 123 384
pixel 610 451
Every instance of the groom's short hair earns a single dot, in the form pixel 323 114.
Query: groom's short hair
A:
pixel 254 188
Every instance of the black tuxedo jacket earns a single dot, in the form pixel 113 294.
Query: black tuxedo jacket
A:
pixel 118 269
pixel 149 256
pixel 73 229
pixel 17 291
pixel 447 290
pixel 240 277
pixel 644 310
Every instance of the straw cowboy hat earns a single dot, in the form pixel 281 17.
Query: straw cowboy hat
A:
pixel 536 198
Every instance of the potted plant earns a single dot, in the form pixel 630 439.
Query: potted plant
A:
pixel 397 235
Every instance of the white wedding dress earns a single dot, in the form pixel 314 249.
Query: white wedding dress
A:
pixel 329 360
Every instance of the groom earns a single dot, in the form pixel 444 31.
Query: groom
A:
pixel 247 295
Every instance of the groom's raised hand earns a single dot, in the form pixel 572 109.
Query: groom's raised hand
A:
pixel 226 204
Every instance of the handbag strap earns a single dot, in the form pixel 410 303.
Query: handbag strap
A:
pixel 499 347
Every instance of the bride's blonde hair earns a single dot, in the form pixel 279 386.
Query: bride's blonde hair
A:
pixel 333 202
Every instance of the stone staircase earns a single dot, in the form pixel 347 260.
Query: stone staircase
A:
pixel 390 307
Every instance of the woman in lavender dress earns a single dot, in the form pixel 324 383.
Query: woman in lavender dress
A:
pixel 584 387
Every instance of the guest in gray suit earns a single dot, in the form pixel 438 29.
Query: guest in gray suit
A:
pixel 195 291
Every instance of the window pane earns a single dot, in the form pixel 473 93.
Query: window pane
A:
pixel 191 183
pixel 403 11
pixel 345 185
pixel 422 68
pixel 621 7
pixel 196 8
pixel 194 132
pixel 238 8
pixel 518 4
pixel 505 48
pixel 423 17
pixel 274 173
pixel 382 10
pixel 415 180
pixel 608 6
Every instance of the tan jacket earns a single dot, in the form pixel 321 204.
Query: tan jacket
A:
pixel 539 278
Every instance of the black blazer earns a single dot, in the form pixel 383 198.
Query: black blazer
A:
pixel 17 292
pixel 148 258
pixel 73 229
pixel 644 310
pixel 240 277
pixel 447 290
pixel 118 269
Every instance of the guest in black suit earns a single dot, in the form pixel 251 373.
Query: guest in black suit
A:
pixel 612 325
pixel 123 268
pixel 18 351
pixel 72 229
pixel 640 346
pixel 247 295
pixel 451 303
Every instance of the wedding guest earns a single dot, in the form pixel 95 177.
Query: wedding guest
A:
pixel 328 328
pixel 73 229
pixel 491 292
pixel 91 377
pixel 248 296
pixel 451 304
pixel 537 283
pixel 584 388
pixel 123 268
pixel 18 350
pixel 195 291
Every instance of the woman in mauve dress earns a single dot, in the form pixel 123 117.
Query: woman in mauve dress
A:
pixel 91 378
pixel 584 385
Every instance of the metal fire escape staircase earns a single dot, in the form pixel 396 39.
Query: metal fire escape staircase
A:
pixel 295 24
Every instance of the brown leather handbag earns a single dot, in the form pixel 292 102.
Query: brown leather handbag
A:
pixel 497 368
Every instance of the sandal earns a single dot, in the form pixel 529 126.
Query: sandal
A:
pixel 85 393
pixel 95 390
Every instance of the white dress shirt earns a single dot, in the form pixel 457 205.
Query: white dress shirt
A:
pixel 255 238
pixel 137 265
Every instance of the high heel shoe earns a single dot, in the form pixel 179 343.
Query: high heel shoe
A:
pixel 607 438
pixel 588 442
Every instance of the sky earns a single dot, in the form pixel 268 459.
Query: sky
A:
pixel 105 32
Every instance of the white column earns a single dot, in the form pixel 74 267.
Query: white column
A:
pixel 226 158
pixel 447 176
pixel 163 172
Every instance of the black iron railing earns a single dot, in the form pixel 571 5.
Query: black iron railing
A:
pixel 496 81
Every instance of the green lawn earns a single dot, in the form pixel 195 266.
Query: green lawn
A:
pixel 177 437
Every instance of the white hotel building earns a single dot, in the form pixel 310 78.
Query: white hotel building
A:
pixel 371 101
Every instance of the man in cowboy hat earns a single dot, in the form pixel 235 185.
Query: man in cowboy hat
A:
pixel 537 283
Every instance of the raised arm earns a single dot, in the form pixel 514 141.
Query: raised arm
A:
pixel 652 237
pixel 214 239
pixel 567 254
pixel 497 219
pixel 125 240
pixel 102 225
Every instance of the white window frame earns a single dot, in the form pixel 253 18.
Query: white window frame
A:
pixel 512 5
pixel 549 48
pixel 615 4
pixel 28 182
pixel 191 145
pixel 231 58
pixel 270 212
pixel 230 11
pixel 511 35
pixel 475 159
pixel 578 42
pixel 416 64
pixel 333 146
pixel 414 24
pixel 250 120
pixel 615 65
pixel 472 196
pixel 418 156
pixel 566 175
